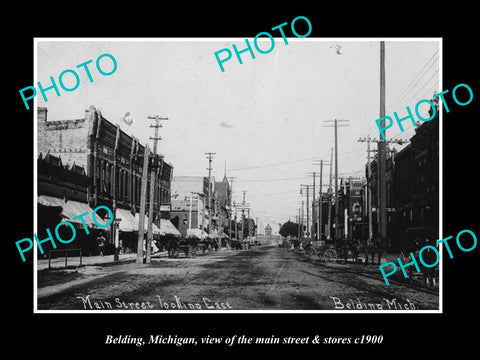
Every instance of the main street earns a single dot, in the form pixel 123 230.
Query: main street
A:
pixel 262 278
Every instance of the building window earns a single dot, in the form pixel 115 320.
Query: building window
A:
pixel 125 184
pixel 108 179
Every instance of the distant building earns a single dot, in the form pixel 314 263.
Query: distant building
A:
pixel 184 187
pixel 352 218
pixel 268 230
pixel 185 213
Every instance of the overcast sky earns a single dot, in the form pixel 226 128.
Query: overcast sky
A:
pixel 265 118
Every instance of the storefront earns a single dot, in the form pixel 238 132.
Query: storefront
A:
pixel 52 210
pixel 128 236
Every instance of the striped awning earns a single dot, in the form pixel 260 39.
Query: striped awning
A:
pixel 71 209
pixel 127 221
pixel 155 229
pixel 198 233
pixel 167 228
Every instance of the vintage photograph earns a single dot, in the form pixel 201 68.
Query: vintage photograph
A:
pixel 237 175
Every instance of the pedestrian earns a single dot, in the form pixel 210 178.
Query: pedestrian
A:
pixel 101 243
pixel 121 250
pixel 429 256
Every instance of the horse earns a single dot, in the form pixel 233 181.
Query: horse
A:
pixel 172 245
pixel 356 247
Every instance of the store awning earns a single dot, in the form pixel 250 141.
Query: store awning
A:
pixel 155 229
pixel 198 233
pixel 167 228
pixel 71 209
pixel 49 201
pixel 127 221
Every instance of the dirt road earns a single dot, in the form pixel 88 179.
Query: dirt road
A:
pixel 262 278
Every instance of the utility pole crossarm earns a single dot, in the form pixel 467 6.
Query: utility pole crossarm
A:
pixel 156 117
pixel 157 125
pixel 390 141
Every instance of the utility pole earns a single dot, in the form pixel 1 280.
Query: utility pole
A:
pixel 298 223
pixel 209 157
pixel 313 208
pixel 382 161
pixel 307 187
pixel 148 245
pixel 244 206
pixel 115 225
pixel 243 212
pixel 231 178
pixel 335 121
pixel 329 227
pixel 249 223
pixel 236 225
pixel 153 181
pixel 302 218
pixel 308 212
pixel 141 221
pixel 320 205
pixel 314 233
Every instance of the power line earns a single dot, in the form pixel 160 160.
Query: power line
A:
pixel 415 80
pixel 413 97
pixel 408 89
pixel 272 179
pixel 60 50
pixel 287 162
pixel 276 193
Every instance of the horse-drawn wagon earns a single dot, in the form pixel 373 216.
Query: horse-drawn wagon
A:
pixel 196 241
pixel 334 251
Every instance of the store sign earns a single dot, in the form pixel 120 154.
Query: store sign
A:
pixel 165 207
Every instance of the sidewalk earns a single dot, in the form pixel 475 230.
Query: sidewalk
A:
pixel 98 260
pixel 92 260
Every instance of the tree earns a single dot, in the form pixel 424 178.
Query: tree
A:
pixel 289 229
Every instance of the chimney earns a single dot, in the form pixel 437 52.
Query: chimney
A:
pixel 42 114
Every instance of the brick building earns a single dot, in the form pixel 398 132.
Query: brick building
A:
pixel 183 187
pixel 199 213
pixel 416 189
pixel 351 207
pixel 62 194
pixel 412 178
pixel 112 161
